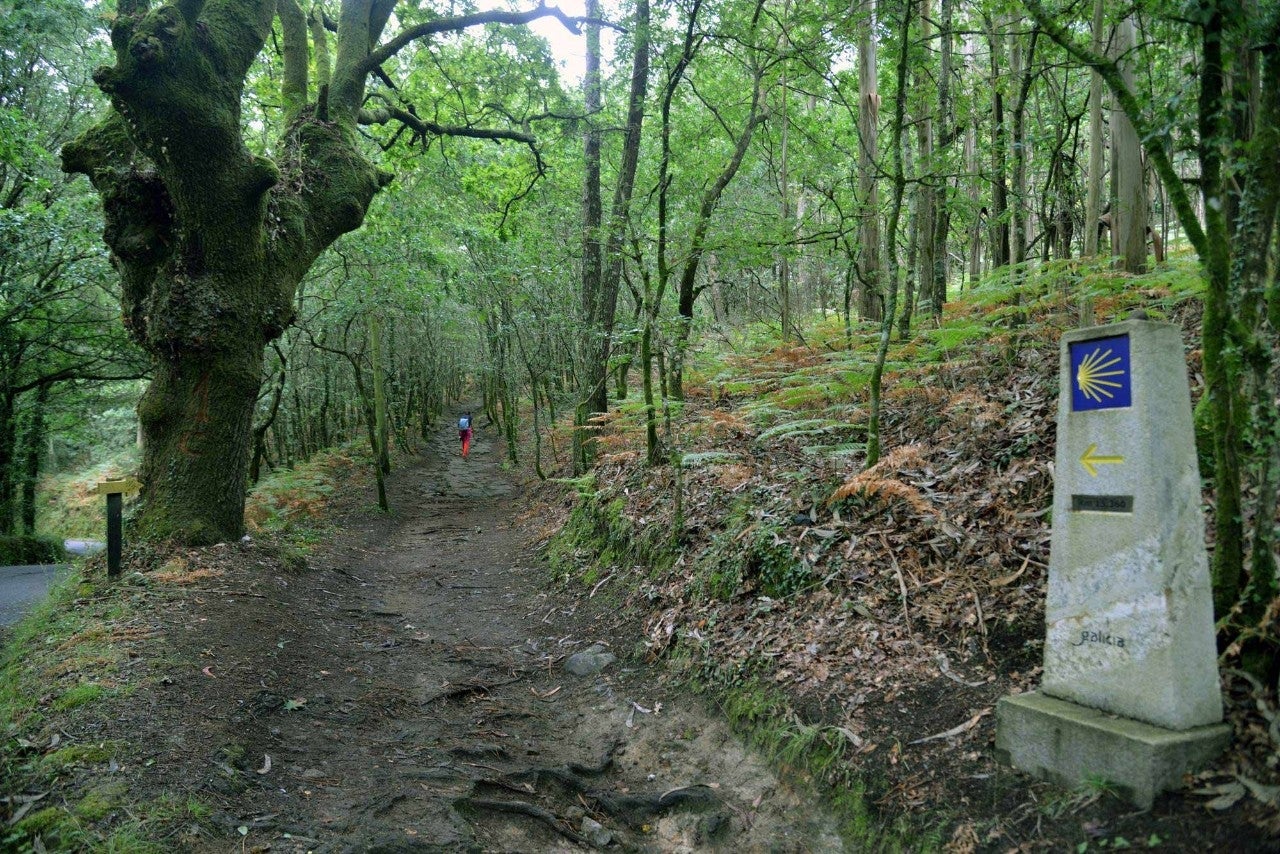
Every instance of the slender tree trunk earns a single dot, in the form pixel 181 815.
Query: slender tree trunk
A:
pixel 8 460
pixel 688 292
pixel 914 228
pixel 899 182
pixel 260 432
pixel 592 235
pixel 867 260
pixel 1020 72
pixel 1129 216
pixel 941 208
pixel 784 190
pixel 620 211
pixel 32 447
pixel 379 395
pixel 975 230
pixel 1093 194
pixel 999 218
pixel 923 264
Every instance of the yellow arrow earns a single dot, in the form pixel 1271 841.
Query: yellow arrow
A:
pixel 124 484
pixel 1091 461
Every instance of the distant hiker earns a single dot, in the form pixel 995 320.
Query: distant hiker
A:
pixel 464 433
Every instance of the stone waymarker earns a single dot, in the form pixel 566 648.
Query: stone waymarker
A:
pixel 1129 613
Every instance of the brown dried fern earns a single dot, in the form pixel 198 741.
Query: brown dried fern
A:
pixel 875 481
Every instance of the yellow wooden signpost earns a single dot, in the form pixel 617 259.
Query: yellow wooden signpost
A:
pixel 114 490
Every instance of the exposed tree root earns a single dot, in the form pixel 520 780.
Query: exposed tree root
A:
pixel 524 808
pixel 632 810
pixel 464 689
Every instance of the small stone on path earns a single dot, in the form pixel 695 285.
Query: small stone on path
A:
pixel 590 661
pixel 595 833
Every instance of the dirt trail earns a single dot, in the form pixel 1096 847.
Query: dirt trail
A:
pixel 410 692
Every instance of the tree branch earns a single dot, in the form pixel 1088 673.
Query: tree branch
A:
pixel 320 44
pixel 386 114
pixel 294 88
pixel 461 22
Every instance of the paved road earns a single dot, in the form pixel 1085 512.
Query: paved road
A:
pixel 80 548
pixel 22 587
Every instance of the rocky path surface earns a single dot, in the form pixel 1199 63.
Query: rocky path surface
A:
pixel 411 691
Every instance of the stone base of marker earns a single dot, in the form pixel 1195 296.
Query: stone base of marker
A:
pixel 1069 745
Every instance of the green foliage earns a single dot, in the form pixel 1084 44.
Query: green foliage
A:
pixel 68 504
pixel 23 549
pixel 598 539
pixel 288 503
pixel 949 338
pixel 750 556
pixel 804 427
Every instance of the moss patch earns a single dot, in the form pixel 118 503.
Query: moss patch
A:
pixel 73 698
pixel 101 801
pixel 78 754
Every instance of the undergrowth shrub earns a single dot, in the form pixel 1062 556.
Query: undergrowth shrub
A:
pixel 23 549
pixel 750 556
pixel 598 537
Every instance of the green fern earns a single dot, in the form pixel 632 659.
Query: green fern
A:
pixel 803 427
pixel 706 458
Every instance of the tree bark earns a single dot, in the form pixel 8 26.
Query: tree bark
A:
pixel 868 263
pixel 592 232
pixel 210 239
pixel 1093 194
pixel 924 217
pixel 1129 217
pixel 620 210
pixel 946 118
pixel 999 218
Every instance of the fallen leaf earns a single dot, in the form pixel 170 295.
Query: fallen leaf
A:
pixel 1228 794
pixel 1267 794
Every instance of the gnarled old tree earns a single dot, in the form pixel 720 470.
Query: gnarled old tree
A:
pixel 212 240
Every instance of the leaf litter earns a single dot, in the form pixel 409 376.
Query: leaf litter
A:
pixel 918 599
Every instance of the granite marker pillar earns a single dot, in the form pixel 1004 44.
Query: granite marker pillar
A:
pixel 1129 612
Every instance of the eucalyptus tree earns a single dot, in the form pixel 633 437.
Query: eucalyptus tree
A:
pixel 210 238
pixel 869 266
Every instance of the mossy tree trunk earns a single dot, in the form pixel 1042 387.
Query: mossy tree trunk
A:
pixel 211 240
